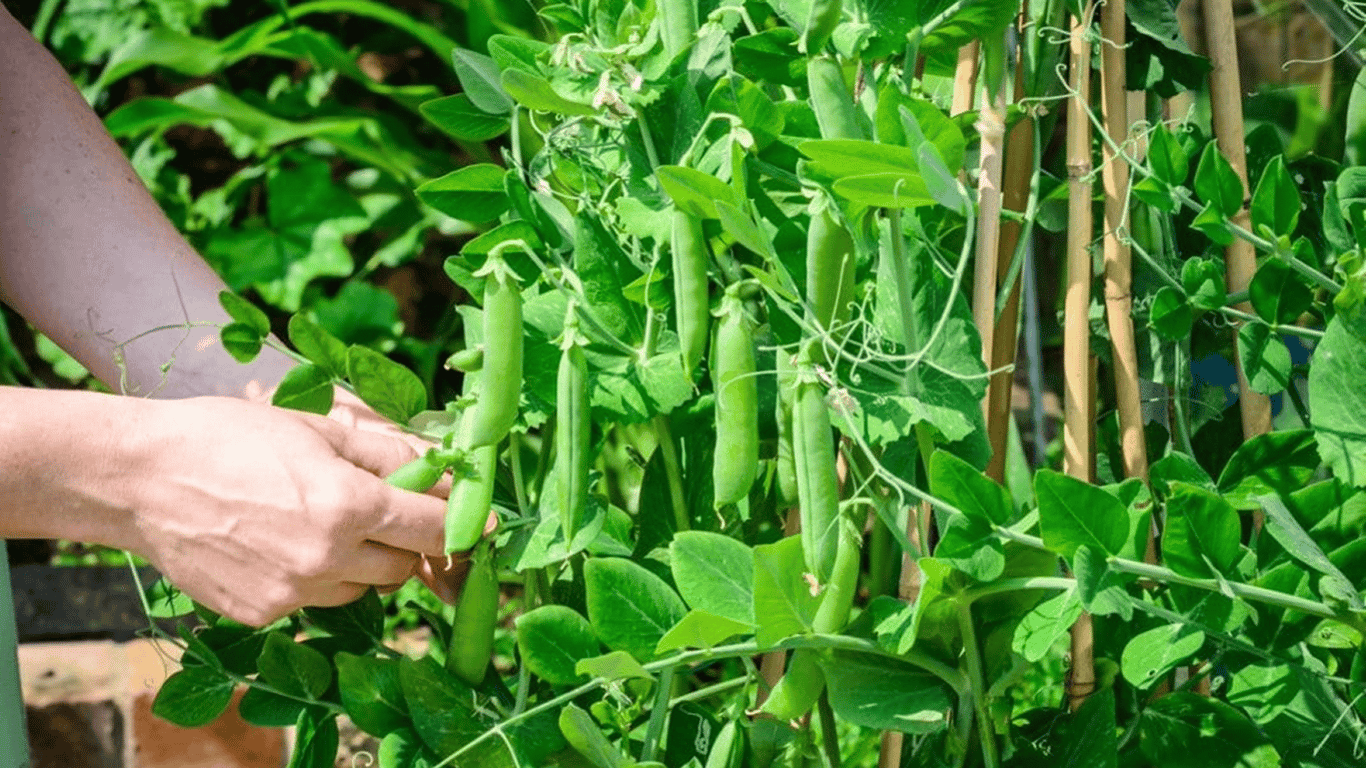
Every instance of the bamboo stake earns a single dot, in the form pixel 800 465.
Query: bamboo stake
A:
pixel 1019 169
pixel 991 127
pixel 1226 109
pixel 965 78
pixel 1078 391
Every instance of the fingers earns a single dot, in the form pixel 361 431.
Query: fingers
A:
pixel 444 576
pixel 412 521
pixel 380 565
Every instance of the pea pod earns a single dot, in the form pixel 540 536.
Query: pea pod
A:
pixel 799 687
pixel 471 499
pixel 832 100
pixel 829 266
pixel 692 302
pixel 820 23
pixel 813 452
pixel 418 475
pixel 476 614
pixel 573 429
pixel 838 596
pixel 736 459
pixel 787 392
pixel 501 372
pixel 467 360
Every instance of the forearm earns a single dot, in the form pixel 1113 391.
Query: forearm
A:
pixel 87 256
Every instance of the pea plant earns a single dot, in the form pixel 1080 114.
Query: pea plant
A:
pixel 735 379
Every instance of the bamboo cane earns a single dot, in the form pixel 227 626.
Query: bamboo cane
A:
pixel 1019 168
pixel 991 127
pixel 1226 110
pixel 965 78
pixel 1078 392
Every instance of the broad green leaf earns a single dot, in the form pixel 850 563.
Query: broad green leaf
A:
pixel 699 629
pixel 885 694
pixel 316 344
pixel 783 603
pixel 167 602
pixel 547 545
pixel 440 706
pixel 1092 738
pixel 1278 294
pixel 1334 634
pixel 1155 193
pixel 1216 182
pixel 1276 201
pixel 617 665
pixel 898 631
pixel 537 94
pixel 1045 625
pixel 293 668
pixel 315 740
pixel 714 573
pixel 244 312
pixel 242 341
pixel 552 639
pixel 1186 730
pixel 1170 315
pixel 391 389
pixel 586 738
pixel 630 607
pixel 1073 513
pixel 1201 527
pixel 1203 281
pixel 740 226
pixel 516 52
pixel 306 387
pixel 362 619
pixel 886 190
pixel 1265 358
pixel 473 193
pixel 193 697
pixel 971 546
pixel 841 158
pixel 1178 467
pixel 1277 462
pixel 1100 589
pixel 1167 157
pixel 371 692
pixel 1154 653
pixel 1337 402
pixel 269 710
pixel 736 95
pixel 965 487
pixel 402 749
pixel 1297 542
pixel 459 118
pixel 599 262
pixel 693 191
pixel 1213 224
pixel 942 185
pixel 480 80
pixel 1263 690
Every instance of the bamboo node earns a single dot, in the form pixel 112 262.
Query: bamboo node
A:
pixel 1079 169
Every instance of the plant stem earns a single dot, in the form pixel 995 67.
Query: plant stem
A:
pixel 972 654
pixel 673 472
pixel 710 691
pixel 830 738
pixel 659 714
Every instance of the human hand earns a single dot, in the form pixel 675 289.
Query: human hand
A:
pixel 257 511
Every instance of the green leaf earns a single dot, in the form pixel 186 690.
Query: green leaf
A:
pixel 1170 315
pixel 617 665
pixel 599 262
pixel 537 94
pixel 741 226
pixel 783 603
pixel 1265 358
pixel 307 387
pixel 585 737
pixel 480 80
pixel 193 697
pixel 1046 624
pixel 1154 653
pixel 241 341
pixel 362 619
pixel 459 118
pixel 885 190
pixel 1278 294
pixel 441 706
pixel 371 693
pixel 736 95
pixel 472 193
pixel 244 312
pixel 714 573
pixel 391 389
pixel 1337 402
pixel 1203 281
pixel 167 602
pixel 699 629
pixel 1092 738
pixel 293 668
pixel 1276 201
pixel 1178 467
pixel 694 192
pixel 319 346
pixel 972 547
pixel 515 52
pixel 1186 730
pixel 965 487
pixel 1100 589
pixel 1214 225
pixel 315 740
pixel 1297 542
pixel 841 158
pixel 269 710
pixel 1201 528
pixel 552 640
pixel 1167 158
pixel 899 631
pixel 402 749
pixel 1277 462
pixel 630 607
pixel 1073 513
pixel 1216 182
pixel 885 694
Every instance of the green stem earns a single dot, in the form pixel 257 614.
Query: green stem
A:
pixel 710 691
pixel 673 472
pixel 830 739
pixel 1245 591
pixel 1297 401
pixel 1058 583
pixel 1180 393
pixel 972 653
pixel 659 715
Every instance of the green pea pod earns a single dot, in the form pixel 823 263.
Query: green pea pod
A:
pixel 573 429
pixel 813 451
pixel 418 475
pixel 471 499
pixel 832 100
pixel 829 266
pixel 787 392
pixel 467 360
pixel 838 596
pixel 692 303
pixel 728 749
pixel 476 614
pixel 735 462
pixel 800 686
pixel 501 373
pixel 820 23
